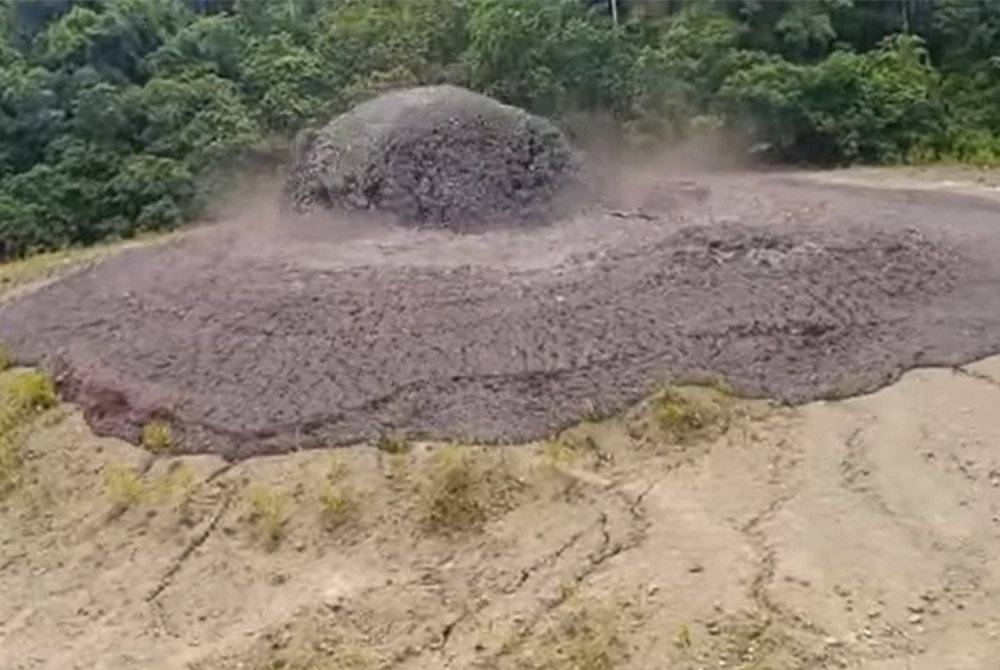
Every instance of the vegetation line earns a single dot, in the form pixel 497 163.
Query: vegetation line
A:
pixel 123 116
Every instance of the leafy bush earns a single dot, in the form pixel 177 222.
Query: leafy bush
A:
pixel 123 115
pixel 849 107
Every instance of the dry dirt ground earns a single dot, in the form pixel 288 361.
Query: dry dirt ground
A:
pixel 693 530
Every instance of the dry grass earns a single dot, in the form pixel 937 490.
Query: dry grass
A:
pixel 125 488
pixel 18 273
pixel 338 500
pixel 450 495
pixel 747 642
pixel 685 414
pixel 569 448
pixel 461 488
pixel 394 443
pixel 157 437
pixel 176 485
pixel 268 514
pixel 122 487
pixel 312 645
pixel 582 635
pixel 28 392
pixel 43 266
pixel 559 453
pixel 23 395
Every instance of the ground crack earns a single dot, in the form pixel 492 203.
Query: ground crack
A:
pixel 856 470
pixel 972 374
pixel 547 560
pixel 764 577
pixel 196 542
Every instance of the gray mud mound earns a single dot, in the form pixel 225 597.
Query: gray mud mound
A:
pixel 251 342
pixel 436 156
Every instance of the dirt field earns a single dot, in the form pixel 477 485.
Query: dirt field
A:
pixel 695 531
pixel 263 336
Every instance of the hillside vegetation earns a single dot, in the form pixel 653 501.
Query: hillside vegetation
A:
pixel 122 116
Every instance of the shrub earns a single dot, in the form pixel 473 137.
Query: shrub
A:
pixel 849 107
pixel 157 437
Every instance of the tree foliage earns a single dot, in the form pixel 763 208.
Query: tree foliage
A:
pixel 118 116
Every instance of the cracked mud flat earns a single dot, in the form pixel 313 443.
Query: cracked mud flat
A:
pixel 840 534
pixel 258 337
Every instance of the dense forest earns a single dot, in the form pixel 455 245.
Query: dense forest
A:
pixel 122 116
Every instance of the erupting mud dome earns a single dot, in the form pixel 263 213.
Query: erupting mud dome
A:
pixel 262 339
pixel 437 156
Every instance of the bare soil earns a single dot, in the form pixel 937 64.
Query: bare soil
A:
pixel 840 534
pixel 264 336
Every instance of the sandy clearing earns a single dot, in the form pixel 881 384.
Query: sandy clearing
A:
pixel 859 533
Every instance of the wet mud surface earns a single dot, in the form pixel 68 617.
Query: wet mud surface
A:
pixel 258 339
pixel 439 157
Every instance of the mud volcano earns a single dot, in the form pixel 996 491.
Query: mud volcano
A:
pixel 437 156
pixel 251 340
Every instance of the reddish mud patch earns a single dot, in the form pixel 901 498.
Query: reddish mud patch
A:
pixel 257 339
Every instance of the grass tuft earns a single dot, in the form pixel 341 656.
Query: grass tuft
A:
pixel 559 453
pixel 177 484
pixel 586 636
pixel 685 416
pixel 22 396
pixel 29 392
pixel 6 359
pixel 459 489
pixel 268 514
pixel 157 437
pixel 338 500
pixel 122 487
pixel 394 443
